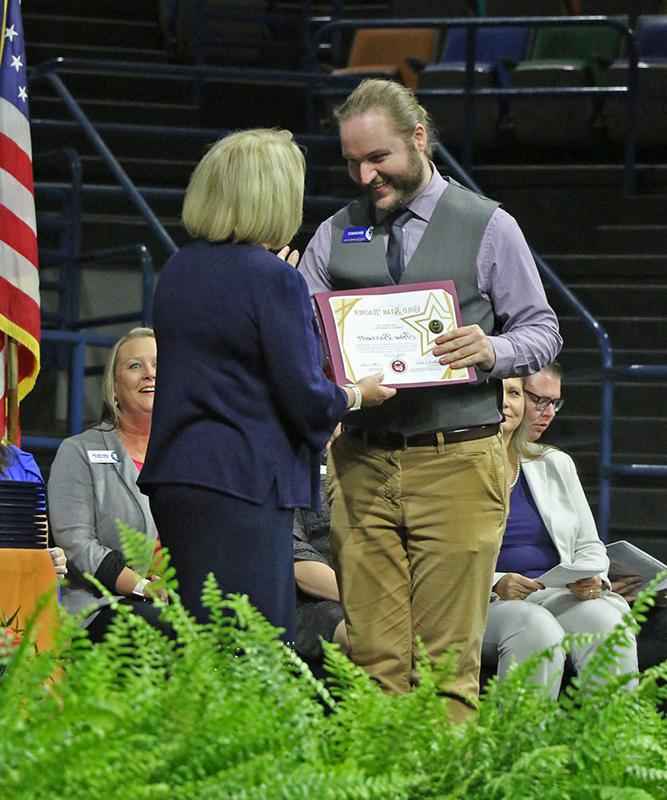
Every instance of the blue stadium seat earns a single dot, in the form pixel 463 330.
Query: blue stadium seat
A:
pixel 497 50
pixel 651 41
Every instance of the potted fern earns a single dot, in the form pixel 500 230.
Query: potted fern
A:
pixel 226 711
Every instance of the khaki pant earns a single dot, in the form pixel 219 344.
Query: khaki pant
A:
pixel 415 535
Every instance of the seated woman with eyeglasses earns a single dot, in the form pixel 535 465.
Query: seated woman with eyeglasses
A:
pixel 549 523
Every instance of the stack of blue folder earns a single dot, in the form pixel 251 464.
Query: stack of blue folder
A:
pixel 23 519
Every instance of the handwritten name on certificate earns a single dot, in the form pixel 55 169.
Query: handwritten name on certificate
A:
pixel 391 329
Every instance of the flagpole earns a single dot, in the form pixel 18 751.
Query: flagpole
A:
pixel 12 391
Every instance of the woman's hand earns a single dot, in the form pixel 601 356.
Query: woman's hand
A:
pixel 291 256
pixel 513 586
pixel 373 393
pixel 151 591
pixel 587 588
pixel 628 586
pixel 59 560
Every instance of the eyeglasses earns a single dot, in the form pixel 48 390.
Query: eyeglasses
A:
pixel 542 403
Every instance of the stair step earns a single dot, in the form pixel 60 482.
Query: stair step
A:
pixel 588 358
pixel 123 85
pixel 647 435
pixel 48 134
pixel 124 9
pixel 645 508
pixel 142 171
pixel 640 209
pixel 611 299
pixel 235 104
pixel 630 399
pixel 608 266
pixel 105 230
pixel 37 52
pixel 107 110
pixel 573 176
pixel 112 31
pixel 629 331
pixel 631 238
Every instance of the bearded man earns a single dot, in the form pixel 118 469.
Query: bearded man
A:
pixel 418 486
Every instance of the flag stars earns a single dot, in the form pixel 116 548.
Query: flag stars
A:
pixel 10 33
pixel 23 95
pixel 16 63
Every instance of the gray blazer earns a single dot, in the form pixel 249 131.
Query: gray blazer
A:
pixel 88 492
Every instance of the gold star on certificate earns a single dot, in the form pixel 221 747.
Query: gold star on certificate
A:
pixel 437 318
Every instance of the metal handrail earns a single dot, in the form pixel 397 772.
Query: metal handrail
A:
pixel 78 341
pixel 65 256
pixel 145 314
pixel 46 72
pixel 469 92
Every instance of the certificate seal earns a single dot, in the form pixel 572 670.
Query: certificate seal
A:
pixel 398 366
pixel 435 326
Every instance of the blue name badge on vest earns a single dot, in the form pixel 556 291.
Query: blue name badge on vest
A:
pixel 356 235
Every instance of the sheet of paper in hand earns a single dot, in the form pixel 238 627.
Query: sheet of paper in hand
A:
pixel 627 559
pixel 559 576
pixel 391 329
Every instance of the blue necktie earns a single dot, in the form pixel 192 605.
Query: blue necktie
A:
pixel 395 260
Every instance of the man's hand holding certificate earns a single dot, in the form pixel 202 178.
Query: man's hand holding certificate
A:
pixel 395 330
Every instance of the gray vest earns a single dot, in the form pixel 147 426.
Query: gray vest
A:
pixel 447 251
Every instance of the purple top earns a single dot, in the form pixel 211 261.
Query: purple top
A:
pixel 21 467
pixel 506 275
pixel 527 547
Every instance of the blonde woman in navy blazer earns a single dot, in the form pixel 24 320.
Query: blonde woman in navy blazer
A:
pixel 242 407
pixel 550 522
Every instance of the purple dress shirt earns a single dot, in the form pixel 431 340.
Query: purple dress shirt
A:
pixel 506 275
pixel 527 547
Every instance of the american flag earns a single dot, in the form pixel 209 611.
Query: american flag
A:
pixel 19 277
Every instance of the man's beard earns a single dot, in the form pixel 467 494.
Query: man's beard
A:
pixel 406 186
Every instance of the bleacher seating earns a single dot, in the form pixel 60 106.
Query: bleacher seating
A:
pixel 497 49
pixel 390 53
pixel 562 57
pixel 651 43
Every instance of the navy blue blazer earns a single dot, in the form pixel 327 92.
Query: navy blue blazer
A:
pixel 241 401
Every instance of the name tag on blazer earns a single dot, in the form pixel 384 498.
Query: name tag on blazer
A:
pixel 357 235
pixel 103 457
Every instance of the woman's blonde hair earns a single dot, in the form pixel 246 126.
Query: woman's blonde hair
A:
pixel 520 446
pixel 247 188
pixel 111 413
pixel 398 103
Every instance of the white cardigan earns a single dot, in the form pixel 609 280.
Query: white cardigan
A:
pixel 560 499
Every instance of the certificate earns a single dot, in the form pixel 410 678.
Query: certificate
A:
pixel 391 329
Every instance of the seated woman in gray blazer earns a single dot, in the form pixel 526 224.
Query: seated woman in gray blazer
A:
pixel 549 523
pixel 93 483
